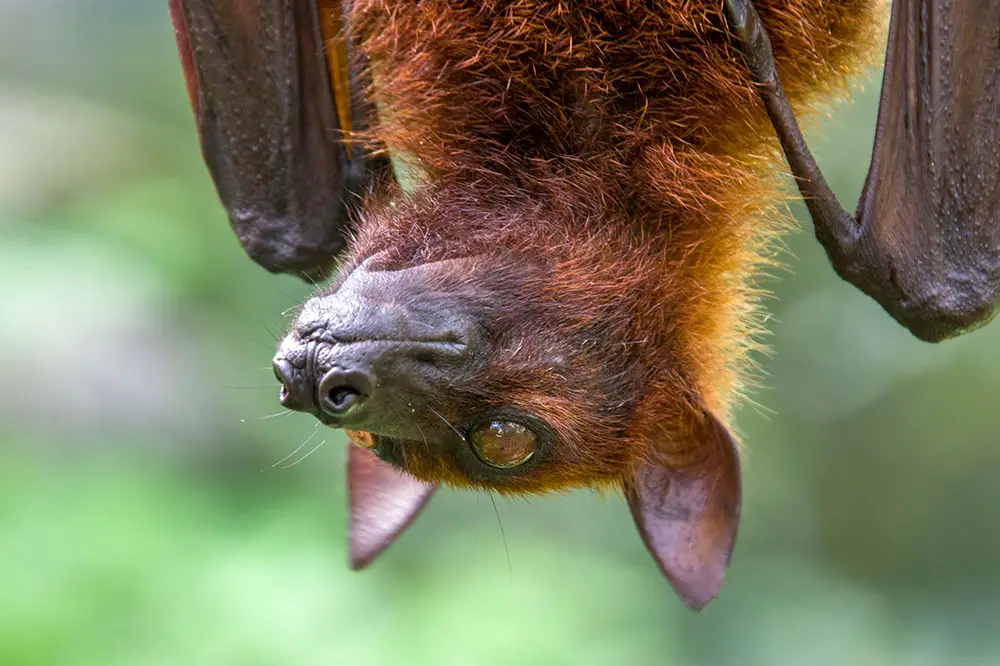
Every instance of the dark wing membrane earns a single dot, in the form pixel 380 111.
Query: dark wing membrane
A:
pixel 931 205
pixel 925 239
pixel 265 94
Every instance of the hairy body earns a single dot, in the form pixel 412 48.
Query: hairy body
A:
pixel 626 139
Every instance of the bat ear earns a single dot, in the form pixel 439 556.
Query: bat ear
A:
pixel 382 503
pixel 688 516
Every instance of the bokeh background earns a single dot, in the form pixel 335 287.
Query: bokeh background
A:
pixel 145 517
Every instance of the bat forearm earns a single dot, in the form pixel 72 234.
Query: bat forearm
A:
pixel 837 230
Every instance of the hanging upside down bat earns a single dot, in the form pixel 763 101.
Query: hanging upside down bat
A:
pixel 565 299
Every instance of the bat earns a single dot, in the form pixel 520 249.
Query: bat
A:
pixel 924 241
pixel 565 298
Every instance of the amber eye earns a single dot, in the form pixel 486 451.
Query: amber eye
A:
pixel 503 443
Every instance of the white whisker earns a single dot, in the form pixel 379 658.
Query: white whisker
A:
pixel 308 453
pixel 297 449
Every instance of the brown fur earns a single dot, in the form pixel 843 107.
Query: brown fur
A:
pixel 605 165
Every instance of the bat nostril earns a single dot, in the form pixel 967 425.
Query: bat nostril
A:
pixel 341 398
pixel 341 390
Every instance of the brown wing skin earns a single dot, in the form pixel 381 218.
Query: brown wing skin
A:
pixel 265 78
pixel 930 209
pixel 925 239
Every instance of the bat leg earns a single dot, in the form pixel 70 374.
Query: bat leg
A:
pixel 836 229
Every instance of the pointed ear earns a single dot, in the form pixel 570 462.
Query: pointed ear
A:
pixel 688 517
pixel 382 503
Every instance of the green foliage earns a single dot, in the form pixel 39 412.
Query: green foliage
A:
pixel 145 522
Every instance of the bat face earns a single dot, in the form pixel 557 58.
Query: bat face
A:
pixel 473 366
pixel 408 356
pixel 520 355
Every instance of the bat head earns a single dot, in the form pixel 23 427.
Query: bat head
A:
pixel 528 352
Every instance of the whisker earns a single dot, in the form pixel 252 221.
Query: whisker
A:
pixel 291 296
pixel 427 444
pixel 423 435
pixel 446 422
pixel 304 276
pixel 309 453
pixel 297 449
pixel 265 345
pixel 270 331
pixel 276 415
pixel 503 535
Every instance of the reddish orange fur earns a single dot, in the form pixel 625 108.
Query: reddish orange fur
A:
pixel 615 149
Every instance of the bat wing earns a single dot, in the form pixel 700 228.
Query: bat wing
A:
pixel 925 239
pixel 275 102
pixel 930 209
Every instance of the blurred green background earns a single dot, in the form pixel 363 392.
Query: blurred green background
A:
pixel 143 519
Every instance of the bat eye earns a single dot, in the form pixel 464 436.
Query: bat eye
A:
pixel 503 444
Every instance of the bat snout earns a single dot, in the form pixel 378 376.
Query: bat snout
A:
pixel 333 384
pixel 380 352
pixel 377 386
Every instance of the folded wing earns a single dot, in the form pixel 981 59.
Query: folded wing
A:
pixel 270 86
